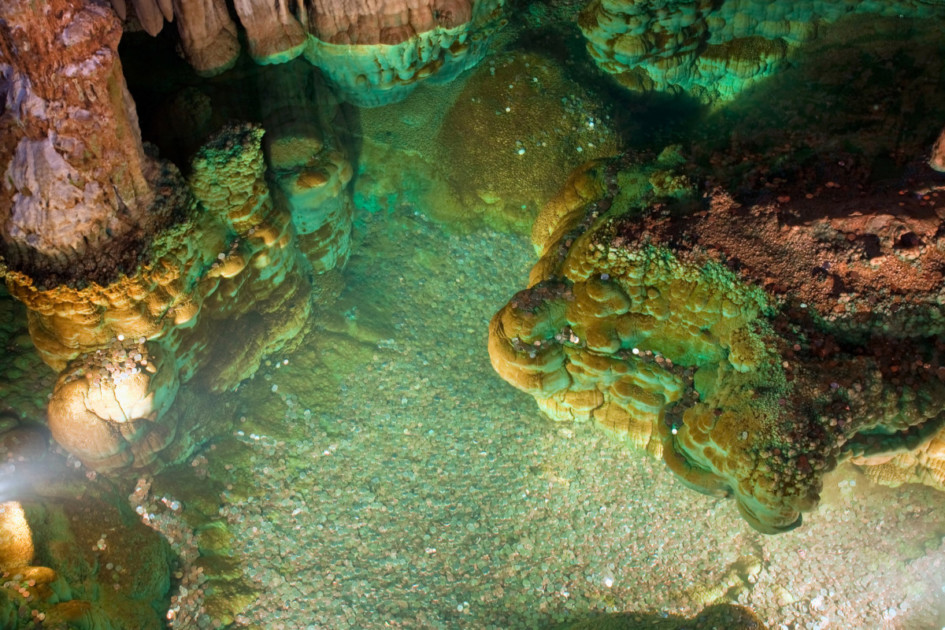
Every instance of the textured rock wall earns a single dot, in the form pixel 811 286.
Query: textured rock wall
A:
pixel 80 563
pixel 307 154
pixel 79 196
pixel 129 272
pixel 751 347
pixel 208 36
pixel 937 159
pixel 374 52
pixel 714 50
pixel 375 55
pixel 272 30
pixel 124 348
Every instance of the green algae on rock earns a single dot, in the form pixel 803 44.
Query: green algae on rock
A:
pixel 87 564
pixel 374 53
pixel 308 160
pixel 710 50
pixel 124 348
pixel 687 326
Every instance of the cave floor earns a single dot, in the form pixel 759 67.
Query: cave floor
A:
pixel 383 476
pixel 429 493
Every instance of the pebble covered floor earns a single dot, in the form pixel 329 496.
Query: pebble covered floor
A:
pixel 434 495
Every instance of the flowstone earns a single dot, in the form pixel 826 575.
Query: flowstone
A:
pixel 751 347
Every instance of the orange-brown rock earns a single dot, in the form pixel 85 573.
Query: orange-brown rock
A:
pixel 374 52
pixel 106 407
pixel 208 35
pixel 514 133
pixel 751 346
pixel 362 22
pixel 16 541
pixel 123 348
pixel 150 13
pixel 273 32
pixel 937 159
pixel 79 196
pixel 103 571
pixel 265 305
pixel 924 464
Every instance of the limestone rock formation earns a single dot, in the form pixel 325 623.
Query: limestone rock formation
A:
pixel 208 36
pixel 273 32
pixel 99 569
pixel 259 285
pixel 752 347
pixel 25 381
pixel 127 270
pixel 516 130
pixel 78 195
pixel 374 52
pixel 489 150
pixel 925 464
pixel 307 157
pixel 937 159
pixel 110 407
pixel 714 50
pixel 123 348
pixel 17 549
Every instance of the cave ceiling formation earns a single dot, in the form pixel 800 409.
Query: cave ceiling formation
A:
pixel 714 50
pixel 374 53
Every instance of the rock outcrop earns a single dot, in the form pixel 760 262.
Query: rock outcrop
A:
pixel 99 569
pixel 715 50
pixel 374 52
pixel 123 348
pixel 79 196
pixel 129 271
pixel 308 160
pixel 752 347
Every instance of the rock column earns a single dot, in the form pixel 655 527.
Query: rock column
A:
pixel 79 196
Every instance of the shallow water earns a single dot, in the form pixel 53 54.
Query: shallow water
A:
pixel 434 495
pixel 399 483
pixel 383 476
